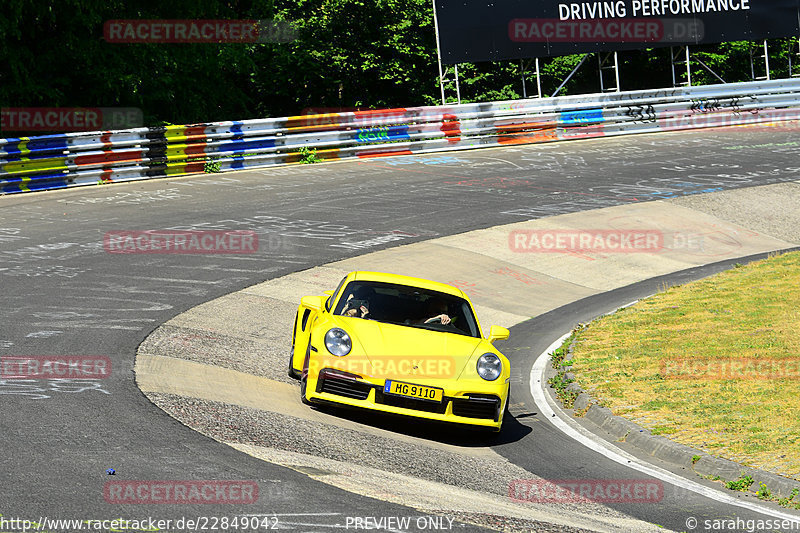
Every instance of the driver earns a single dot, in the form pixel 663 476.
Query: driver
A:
pixel 438 308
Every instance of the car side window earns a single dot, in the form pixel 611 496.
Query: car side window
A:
pixel 331 298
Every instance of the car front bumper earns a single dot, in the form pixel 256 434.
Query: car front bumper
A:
pixel 482 405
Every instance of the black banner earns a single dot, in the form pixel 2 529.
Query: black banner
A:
pixel 472 31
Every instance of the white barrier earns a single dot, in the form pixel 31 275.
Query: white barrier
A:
pixel 72 159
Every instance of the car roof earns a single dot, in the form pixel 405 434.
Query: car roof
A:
pixel 399 279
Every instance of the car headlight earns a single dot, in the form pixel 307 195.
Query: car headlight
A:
pixel 489 366
pixel 338 342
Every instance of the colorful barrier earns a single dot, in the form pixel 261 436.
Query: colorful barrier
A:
pixel 74 159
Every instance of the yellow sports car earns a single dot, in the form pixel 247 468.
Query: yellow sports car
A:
pixel 401 345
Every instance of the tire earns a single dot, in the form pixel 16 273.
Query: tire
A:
pixel 303 385
pixel 294 374
pixel 504 415
pixel 304 376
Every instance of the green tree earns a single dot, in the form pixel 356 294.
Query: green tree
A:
pixel 346 54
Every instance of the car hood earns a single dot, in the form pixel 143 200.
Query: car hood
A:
pixel 388 350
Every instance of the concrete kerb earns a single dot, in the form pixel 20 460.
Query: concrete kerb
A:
pixel 674 453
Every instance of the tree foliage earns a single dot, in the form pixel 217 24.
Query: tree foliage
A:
pixel 346 54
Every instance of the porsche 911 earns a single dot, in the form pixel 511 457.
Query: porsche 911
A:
pixel 400 345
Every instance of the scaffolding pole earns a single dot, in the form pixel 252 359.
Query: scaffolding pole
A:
pixel 583 60
pixel 601 66
pixel 522 73
pixel 522 68
pixel 538 79
pixel 795 53
pixel 765 57
pixel 674 61
pixel 438 50
pixel 702 64
pixel 458 88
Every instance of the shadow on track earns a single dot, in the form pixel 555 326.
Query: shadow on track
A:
pixel 445 433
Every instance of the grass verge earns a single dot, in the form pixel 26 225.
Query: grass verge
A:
pixel 714 364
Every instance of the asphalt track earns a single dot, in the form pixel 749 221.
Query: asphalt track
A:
pixel 63 295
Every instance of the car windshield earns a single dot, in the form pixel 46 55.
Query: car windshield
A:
pixel 407 306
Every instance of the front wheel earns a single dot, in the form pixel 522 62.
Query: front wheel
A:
pixel 507 411
pixel 303 385
pixel 292 372
pixel 304 377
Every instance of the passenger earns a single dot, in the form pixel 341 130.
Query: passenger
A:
pixel 358 302
pixel 360 311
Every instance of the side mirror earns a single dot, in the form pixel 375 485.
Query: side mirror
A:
pixel 329 293
pixel 314 303
pixel 496 333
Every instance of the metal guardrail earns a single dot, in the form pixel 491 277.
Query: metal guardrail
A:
pixel 74 159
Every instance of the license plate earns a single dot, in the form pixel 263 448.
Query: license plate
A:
pixel 409 390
